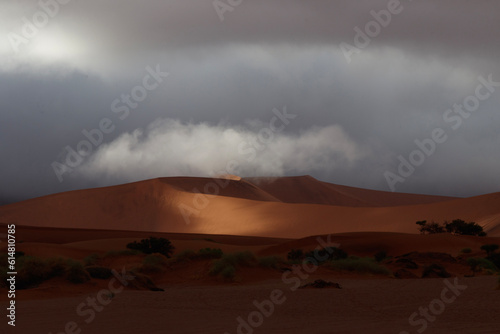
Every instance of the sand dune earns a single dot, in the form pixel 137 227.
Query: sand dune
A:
pixel 185 205
pixel 306 189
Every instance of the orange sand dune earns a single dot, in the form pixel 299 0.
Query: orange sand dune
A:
pixel 306 189
pixel 173 205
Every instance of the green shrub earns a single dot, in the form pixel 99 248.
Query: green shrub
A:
pixel 154 263
pixel 457 226
pixel 360 265
pixel 478 263
pixel 228 264
pixel 228 272
pixel 295 255
pixel 325 254
pixel 99 272
pixel 123 252
pixel 91 260
pixel 270 261
pixel 75 273
pixel 153 245
pixel 210 253
pixel 31 272
pixel 489 249
pixel 495 258
pixel 185 255
pixel 380 256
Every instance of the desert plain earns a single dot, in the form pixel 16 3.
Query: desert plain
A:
pixel 409 282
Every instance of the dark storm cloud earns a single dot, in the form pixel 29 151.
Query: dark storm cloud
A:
pixel 227 75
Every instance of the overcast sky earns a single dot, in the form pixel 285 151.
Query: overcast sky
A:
pixel 252 87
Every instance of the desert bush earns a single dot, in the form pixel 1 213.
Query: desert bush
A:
pixel 380 256
pixel 460 227
pixel 185 255
pixel 489 249
pixel 123 252
pixel 154 263
pixel 435 270
pixel 326 254
pixel 210 253
pixel 75 273
pixel 227 265
pixel 270 261
pixel 466 250
pixel 495 258
pixel 153 245
pixel 91 260
pixel 360 265
pixel 99 272
pixel 32 271
pixel 457 226
pixel 295 255
pixel 477 264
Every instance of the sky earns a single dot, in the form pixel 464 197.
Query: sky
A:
pixel 389 95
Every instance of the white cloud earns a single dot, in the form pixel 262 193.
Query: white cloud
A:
pixel 169 147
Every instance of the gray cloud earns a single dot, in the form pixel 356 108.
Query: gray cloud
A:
pixel 265 54
pixel 169 147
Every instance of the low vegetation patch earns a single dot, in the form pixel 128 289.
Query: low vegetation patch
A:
pixel 360 265
pixel 270 262
pixel 154 263
pixel 227 265
pixel 478 264
pixel 456 227
pixel 33 270
pixel 153 245
pixel 99 272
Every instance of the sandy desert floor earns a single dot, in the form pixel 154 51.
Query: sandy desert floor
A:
pixel 267 218
pixel 361 306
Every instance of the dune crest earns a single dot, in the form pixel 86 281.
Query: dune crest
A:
pixel 280 208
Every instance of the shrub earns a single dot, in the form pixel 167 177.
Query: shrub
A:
pixel 477 264
pixel 270 262
pixel 91 260
pixel 457 226
pixel 326 254
pixel 461 227
pixel 33 271
pixel 99 272
pixel 466 250
pixel 123 252
pixel 435 270
pixel 227 265
pixel 360 265
pixel 489 249
pixel 495 258
pixel 153 245
pixel 154 263
pixel 210 253
pixel 295 255
pixel 228 272
pixel 380 256
pixel 75 273
pixel 185 255
pixel 430 228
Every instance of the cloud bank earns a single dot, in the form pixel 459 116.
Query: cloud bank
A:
pixel 169 147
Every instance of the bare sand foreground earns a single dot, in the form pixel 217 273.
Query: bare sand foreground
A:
pixel 361 306
pixel 268 217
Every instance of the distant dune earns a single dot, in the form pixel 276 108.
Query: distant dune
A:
pixel 306 189
pixel 292 207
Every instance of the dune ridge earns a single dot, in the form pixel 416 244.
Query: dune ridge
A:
pixel 247 207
